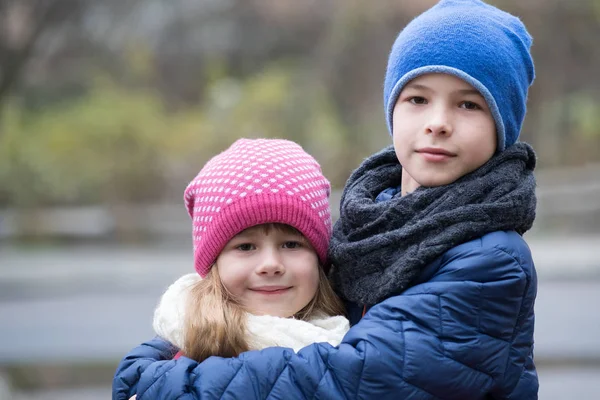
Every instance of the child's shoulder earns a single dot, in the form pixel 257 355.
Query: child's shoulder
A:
pixel 493 256
pixel 508 245
pixel 169 315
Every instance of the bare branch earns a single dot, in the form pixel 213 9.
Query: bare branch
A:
pixel 18 39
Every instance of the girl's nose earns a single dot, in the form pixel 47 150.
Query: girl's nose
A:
pixel 271 263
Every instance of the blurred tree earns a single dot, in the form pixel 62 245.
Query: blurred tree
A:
pixel 22 24
pixel 198 75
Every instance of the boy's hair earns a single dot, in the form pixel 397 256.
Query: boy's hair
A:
pixel 484 46
pixel 215 322
pixel 253 182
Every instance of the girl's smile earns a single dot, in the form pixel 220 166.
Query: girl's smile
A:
pixel 270 290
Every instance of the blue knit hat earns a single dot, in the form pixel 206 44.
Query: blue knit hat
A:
pixel 484 46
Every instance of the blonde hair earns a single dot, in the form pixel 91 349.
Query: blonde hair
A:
pixel 215 322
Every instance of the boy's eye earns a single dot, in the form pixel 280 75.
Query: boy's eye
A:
pixel 245 247
pixel 417 100
pixel 292 244
pixel 469 105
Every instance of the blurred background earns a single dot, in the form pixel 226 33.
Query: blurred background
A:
pixel 109 108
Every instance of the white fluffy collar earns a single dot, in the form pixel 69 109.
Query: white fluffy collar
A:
pixel 264 331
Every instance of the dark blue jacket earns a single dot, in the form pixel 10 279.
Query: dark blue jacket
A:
pixel 464 331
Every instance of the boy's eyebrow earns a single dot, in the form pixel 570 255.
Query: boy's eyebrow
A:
pixel 470 91
pixel 418 86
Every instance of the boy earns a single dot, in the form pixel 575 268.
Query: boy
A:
pixel 428 246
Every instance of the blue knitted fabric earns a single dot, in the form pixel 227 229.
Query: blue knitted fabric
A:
pixel 486 47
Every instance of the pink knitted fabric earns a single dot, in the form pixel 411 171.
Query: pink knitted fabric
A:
pixel 253 182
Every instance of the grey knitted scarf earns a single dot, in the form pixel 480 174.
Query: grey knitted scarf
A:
pixel 379 248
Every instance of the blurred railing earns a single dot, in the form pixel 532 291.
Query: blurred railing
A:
pixel 568 202
pixel 118 279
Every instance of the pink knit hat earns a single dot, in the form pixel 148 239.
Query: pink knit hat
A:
pixel 253 182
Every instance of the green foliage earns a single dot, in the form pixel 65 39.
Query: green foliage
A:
pixel 596 9
pixel 584 113
pixel 104 147
pixel 119 145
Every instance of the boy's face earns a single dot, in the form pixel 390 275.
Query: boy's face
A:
pixel 443 129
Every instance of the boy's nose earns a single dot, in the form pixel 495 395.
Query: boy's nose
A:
pixel 439 122
pixel 271 264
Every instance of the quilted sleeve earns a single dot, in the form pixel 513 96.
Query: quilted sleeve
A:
pixel 447 338
pixel 130 368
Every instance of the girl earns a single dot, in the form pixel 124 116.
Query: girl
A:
pixel 261 229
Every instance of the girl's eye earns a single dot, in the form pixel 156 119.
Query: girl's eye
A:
pixel 469 105
pixel 292 245
pixel 245 247
pixel 417 100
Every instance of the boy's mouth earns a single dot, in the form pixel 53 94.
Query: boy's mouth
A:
pixel 436 150
pixel 435 154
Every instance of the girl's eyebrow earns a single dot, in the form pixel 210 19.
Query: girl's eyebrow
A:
pixel 244 235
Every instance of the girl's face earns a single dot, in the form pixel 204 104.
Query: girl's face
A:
pixel 270 270
pixel 443 129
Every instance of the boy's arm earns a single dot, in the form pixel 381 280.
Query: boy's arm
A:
pixel 130 368
pixel 451 337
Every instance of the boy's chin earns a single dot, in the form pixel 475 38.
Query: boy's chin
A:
pixel 432 182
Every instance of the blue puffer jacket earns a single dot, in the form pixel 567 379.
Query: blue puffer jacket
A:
pixel 464 331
